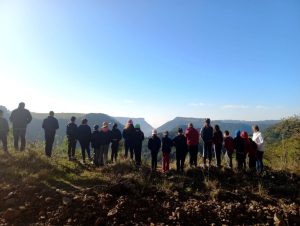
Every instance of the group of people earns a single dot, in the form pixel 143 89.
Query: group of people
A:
pixel 101 139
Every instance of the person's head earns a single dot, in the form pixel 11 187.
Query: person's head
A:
pixel 84 121
pixel 130 122
pixel 96 127
pixel 226 133
pixel 207 122
pixel 244 135
pixel 105 125
pixel 217 128
pixel 166 133
pixel 190 125
pixel 255 128
pixel 154 132
pixel 137 126
pixel 180 131
pixel 237 133
pixel 73 119
pixel 51 113
pixel 22 105
pixel 115 126
pixel 1 113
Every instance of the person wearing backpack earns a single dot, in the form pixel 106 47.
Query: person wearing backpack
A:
pixel 192 136
pixel 72 138
pixel 207 133
pixel 129 136
pixel 96 143
pixel 180 144
pixel 4 129
pixel 259 140
pixel 154 145
pixel 229 148
pixel 239 147
pixel 218 144
pixel 84 138
pixel 116 137
pixel 167 144
pixel 138 144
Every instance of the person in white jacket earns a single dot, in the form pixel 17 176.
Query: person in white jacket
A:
pixel 259 140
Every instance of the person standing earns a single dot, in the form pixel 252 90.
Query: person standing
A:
pixel 20 118
pixel 250 150
pixel 154 145
pixel 167 145
pixel 129 136
pixel 96 143
pixel 180 144
pixel 4 129
pixel 72 132
pixel 259 140
pixel 239 146
pixel 138 144
pixel 192 136
pixel 218 144
pixel 105 140
pixel 50 125
pixel 84 138
pixel 207 133
pixel 116 137
pixel 229 147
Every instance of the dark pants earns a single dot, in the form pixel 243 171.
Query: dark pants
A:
pixel 129 147
pixel 49 138
pixel 97 157
pixel 71 147
pixel 218 151
pixel 260 163
pixel 180 160
pixel 19 133
pixel 3 139
pixel 166 162
pixel 114 151
pixel 193 150
pixel 240 158
pixel 138 155
pixel 252 162
pixel 154 160
pixel 207 152
pixel 85 147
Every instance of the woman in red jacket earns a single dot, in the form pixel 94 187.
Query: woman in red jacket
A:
pixel 192 136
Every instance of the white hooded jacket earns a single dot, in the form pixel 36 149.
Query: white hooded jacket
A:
pixel 259 140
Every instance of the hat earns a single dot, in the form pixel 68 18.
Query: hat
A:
pixel 137 126
pixel 244 135
pixel 96 127
pixel 180 130
pixel 130 121
pixel 154 132
pixel 105 124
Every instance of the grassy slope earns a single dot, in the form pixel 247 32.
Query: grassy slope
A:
pixel 39 191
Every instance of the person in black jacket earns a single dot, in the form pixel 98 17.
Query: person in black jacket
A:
pixel 4 128
pixel 207 133
pixel 20 118
pixel 72 138
pixel 84 138
pixel 105 139
pixel 96 143
pixel 239 146
pixel 218 144
pixel 129 136
pixel 50 125
pixel 138 143
pixel 180 144
pixel 154 145
pixel 167 145
pixel 116 137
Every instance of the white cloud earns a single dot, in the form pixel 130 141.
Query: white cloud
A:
pixel 234 106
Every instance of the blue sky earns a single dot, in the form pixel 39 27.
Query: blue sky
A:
pixel 233 59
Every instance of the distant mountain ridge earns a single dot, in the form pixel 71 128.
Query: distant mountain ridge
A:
pixel 145 126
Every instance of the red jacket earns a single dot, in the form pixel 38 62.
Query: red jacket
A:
pixel 192 136
pixel 229 144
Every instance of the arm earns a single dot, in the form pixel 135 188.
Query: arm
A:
pixel 6 127
pixel 29 117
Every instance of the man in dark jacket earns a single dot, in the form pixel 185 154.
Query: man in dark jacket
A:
pixel 72 138
pixel 207 133
pixel 218 143
pixel 50 125
pixel 84 138
pixel 154 145
pixel 239 147
pixel 105 140
pixel 192 136
pixel 167 145
pixel 116 137
pixel 4 128
pixel 180 144
pixel 20 118
pixel 138 143
pixel 129 136
pixel 96 143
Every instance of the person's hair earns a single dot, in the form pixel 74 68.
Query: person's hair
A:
pixel 180 130
pixel 73 118
pixel 207 121
pixel 190 125
pixel 22 105
pixel 217 127
pixel 256 128
pixel 128 125
pixel 84 121
pixel 226 132
pixel 115 126
pixel 51 113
